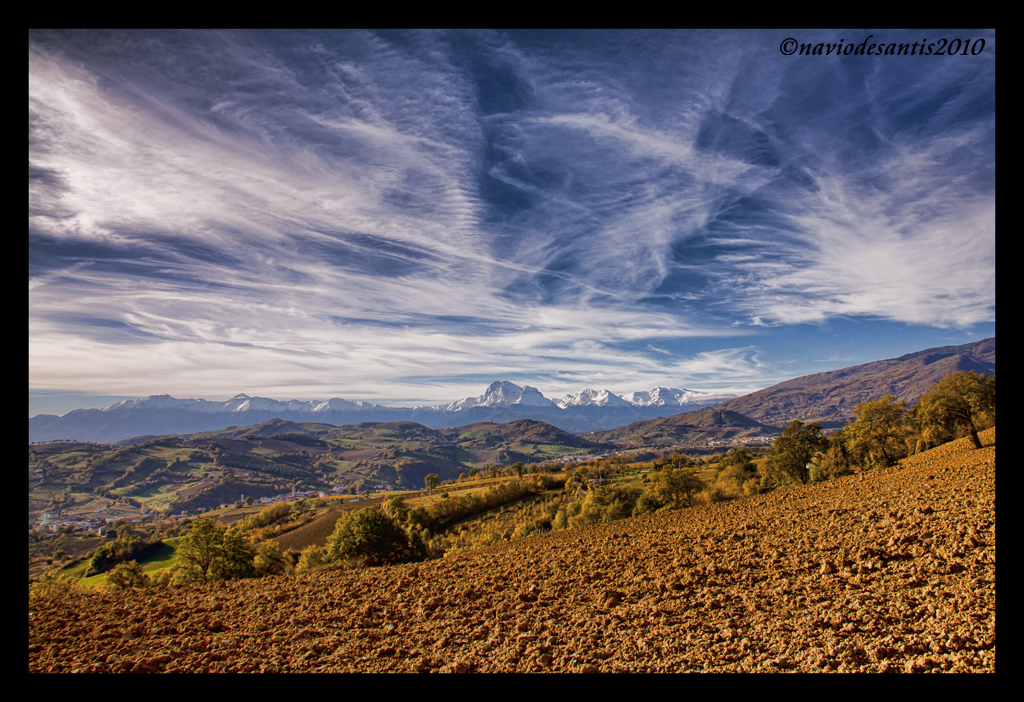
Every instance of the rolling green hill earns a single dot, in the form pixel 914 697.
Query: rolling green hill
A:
pixel 175 473
pixel 697 426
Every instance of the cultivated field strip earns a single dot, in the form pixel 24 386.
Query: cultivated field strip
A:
pixel 890 570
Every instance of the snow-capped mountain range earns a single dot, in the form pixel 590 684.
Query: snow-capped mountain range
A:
pixel 669 397
pixel 502 401
pixel 588 397
pixel 243 403
pixel 506 394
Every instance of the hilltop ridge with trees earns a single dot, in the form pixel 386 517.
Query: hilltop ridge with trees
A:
pixel 829 398
pixel 889 570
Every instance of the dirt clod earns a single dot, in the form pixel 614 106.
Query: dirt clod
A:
pixel 889 570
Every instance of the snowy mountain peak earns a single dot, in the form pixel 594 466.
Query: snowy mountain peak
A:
pixel 672 397
pixel 588 397
pixel 156 402
pixel 501 393
pixel 532 397
pixel 337 404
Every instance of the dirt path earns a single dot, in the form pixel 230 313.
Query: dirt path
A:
pixel 891 570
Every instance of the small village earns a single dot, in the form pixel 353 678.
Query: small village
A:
pixel 57 521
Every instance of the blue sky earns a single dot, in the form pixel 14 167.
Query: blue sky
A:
pixel 405 216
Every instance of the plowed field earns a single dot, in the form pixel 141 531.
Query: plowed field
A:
pixel 891 570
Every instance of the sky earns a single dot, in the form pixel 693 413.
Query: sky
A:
pixel 403 217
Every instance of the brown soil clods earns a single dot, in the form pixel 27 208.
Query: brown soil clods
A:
pixel 890 570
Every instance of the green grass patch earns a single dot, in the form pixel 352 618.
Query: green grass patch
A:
pixel 346 443
pixel 412 445
pixel 76 570
pixel 708 475
pixel 69 458
pixel 168 453
pixel 429 458
pixel 165 557
pixel 556 450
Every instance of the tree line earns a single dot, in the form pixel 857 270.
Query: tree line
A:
pixel 884 431
pixel 397 533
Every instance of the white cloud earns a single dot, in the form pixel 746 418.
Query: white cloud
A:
pixel 321 218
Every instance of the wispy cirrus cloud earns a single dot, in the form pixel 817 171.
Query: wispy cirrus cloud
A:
pixel 340 212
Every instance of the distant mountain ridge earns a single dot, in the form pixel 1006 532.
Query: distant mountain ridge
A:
pixel 244 403
pixel 828 397
pixel 502 402
pixel 831 396
pixel 695 426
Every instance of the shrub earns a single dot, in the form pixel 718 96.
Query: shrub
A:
pixel 310 559
pixel 397 508
pixel 270 559
pixel 370 537
pixel 729 484
pixel 671 486
pixel 237 557
pixel 163 578
pixel 831 464
pixel 524 529
pixel 52 586
pixel 751 486
pixel 127 575
pixel 718 494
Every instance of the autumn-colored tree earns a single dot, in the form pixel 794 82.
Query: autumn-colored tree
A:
pixel 879 433
pixel 270 559
pixel 398 509
pixel 834 462
pixel 672 486
pixel 369 536
pixel 127 575
pixel 236 558
pixel 737 457
pixel 199 550
pixel 311 558
pixel 213 552
pixel 960 400
pixel 55 586
pixel 790 456
pixel 604 504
